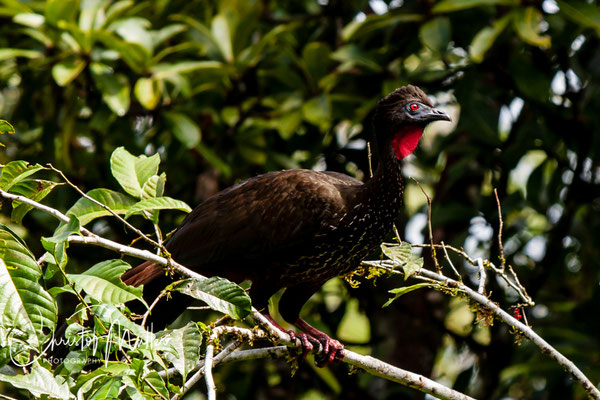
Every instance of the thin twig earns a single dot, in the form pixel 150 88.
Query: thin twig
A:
pixel 500 227
pixel 370 155
pixel 433 252
pixel 450 262
pixel 107 208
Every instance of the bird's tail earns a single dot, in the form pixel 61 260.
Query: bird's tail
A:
pixel 142 274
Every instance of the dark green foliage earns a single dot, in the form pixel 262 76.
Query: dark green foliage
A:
pixel 223 90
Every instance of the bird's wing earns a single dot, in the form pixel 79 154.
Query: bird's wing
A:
pixel 265 215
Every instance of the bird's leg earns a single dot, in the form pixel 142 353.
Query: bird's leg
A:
pixel 290 304
pixel 332 349
pixel 305 340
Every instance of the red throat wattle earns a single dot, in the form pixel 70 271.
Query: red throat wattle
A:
pixel 406 141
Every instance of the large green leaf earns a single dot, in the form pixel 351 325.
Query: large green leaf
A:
pixel 39 381
pixel 6 54
pixel 26 309
pixel 15 171
pixel 65 71
pixel 103 283
pixel 134 54
pixel 485 38
pixel 148 91
pixel 219 293
pixel 115 87
pixel 132 172
pixel 435 34
pixel 184 128
pixel 60 10
pixel 86 210
pixel 186 342
pixel 527 22
pixel 34 189
pixel 158 203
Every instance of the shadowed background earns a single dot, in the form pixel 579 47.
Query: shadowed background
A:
pixel 225 90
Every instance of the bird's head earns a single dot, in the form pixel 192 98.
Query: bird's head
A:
pixel 400 118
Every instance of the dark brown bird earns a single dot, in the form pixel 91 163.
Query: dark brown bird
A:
pixel 296 229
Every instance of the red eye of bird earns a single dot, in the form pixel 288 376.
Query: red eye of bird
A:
pixel 414 106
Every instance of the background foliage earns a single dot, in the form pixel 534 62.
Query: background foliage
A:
pixel 224 90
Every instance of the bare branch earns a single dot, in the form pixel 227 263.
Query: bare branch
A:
pixel 489 305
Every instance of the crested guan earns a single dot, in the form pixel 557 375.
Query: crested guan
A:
pixel 296 229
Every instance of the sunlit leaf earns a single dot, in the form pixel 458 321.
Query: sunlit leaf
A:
pixel 103 282
pixel 39 381
pixel 86 210
pixel 148 92
pixel 65 71
pixel 186 343
pixel 158 203
pixel 15 171
pixel 219 293
pixel 132 172
pixel 26 309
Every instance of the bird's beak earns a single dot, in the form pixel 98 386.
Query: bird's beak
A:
pixel 433 114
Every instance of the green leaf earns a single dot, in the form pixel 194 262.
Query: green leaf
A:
pixel 34 189
pixel 6 127
pixel 457 5
pixel 158 203
pixel 219 293
pixel 7 54
pixel 214 160
pixel 103 283
pixel 435 34
pixel 164 70
pixel 25 307
pixel 134 54
pixel 317 111
pixel 352 55
pixel 116 321
pixel 316 60
pixel 15 171
pixel 582 13
pixel 148 92
pixel 86 210
pixel 132 172
pixel 403 290
pixel 29 19
pixel 65 71
pixel 186 342
pixel 527 23
pixel 60 10
pixel 222 33
pixel 184 129
pixel 485 38
pixel 115 88
pixel 39 382
pixel 403 256
pixel 373 23
pixel 154 186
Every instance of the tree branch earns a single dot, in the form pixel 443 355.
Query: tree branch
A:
pixel 509 320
